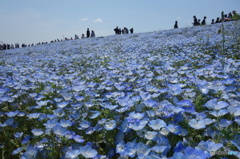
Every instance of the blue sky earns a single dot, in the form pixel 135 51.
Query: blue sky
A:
pixel 33 21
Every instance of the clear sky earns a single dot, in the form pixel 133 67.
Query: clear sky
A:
pixel 33 21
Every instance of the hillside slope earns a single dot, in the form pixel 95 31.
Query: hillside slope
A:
pixel 166 94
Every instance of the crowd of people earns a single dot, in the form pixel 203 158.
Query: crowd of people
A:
pixel 231 16
pixel 4 46
pixel 123 31
pixel 196 22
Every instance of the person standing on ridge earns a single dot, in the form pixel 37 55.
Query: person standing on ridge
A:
pixel 204 20
pixel 92 34
pixel 176 25
pixel 88 33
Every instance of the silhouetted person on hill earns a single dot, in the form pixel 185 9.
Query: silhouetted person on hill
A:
pixel 131 30
pixel 82 36
pixel 204 21
pixel 218 20
pixel 212 21
pixel 176 25
pixel 195 21
pixel 92 34
pixel 116 30
pixel 88 33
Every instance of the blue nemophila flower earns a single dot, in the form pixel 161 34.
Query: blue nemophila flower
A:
pixel 157 124
pixel 21 114
pixel 10 122
pixel 51 123
pixel 88 152
pixel 151 135
pixel 237 120
pixel 25 139
pixel 191 153
pixel 78 139
pixel 134 116
pixel 197 124
pixel 42 102
pixel 219 113
pixel 179 147
pixel 110 125
pixel 177 155
pixel 236 141
pixel 138 124
pixel 214 104
pixel 160 149
pixel 89 104
pixel 229 81
pixel 58 99
pixel 79 98
pixel 225 123
pixel 150 103
pixel 59 130
pixel 33 115
pixel 95 115
pixel 175 129
pixel 234 110
pixel 67 96
pixel 31 152
pixel 18 134
pixel 209 146
pixel 37 132
pixel 204 89
pixel 12 114
pixel 65 123
pixel 85 124
pixel 72 154
pixel 59 112
pixel 79 87
pixel 18 150
pixel 62 104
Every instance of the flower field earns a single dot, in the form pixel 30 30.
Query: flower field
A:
pixel 168 94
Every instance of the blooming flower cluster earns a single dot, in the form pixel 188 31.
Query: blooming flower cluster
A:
pixel 167 94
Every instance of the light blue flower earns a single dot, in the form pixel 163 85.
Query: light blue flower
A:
pixel 51 123
pixel 95 115
pixel 65 123
pixel 18 150
pixel 110 125
pixel 134 115
pixel 18 134
pixel 88 152
pixel 13 113
pixel 37 132
pixel 85 124
pixel 175 129
pixel 197 124
pixel 236 141
pixel 150 135
pixel 138 124
pixel 150 103
pixel 73 154
pixel 225 123
pixel 62 104
pixel 237 120
pixel 234 110
pixel 209 145
pixel 219 113
pixel 157 124
pixel 78 139
pixel 30 153
pixel 59 130
pixel 34 115
pixel 59 112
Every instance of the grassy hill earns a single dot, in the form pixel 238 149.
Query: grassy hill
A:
pixel 166 94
